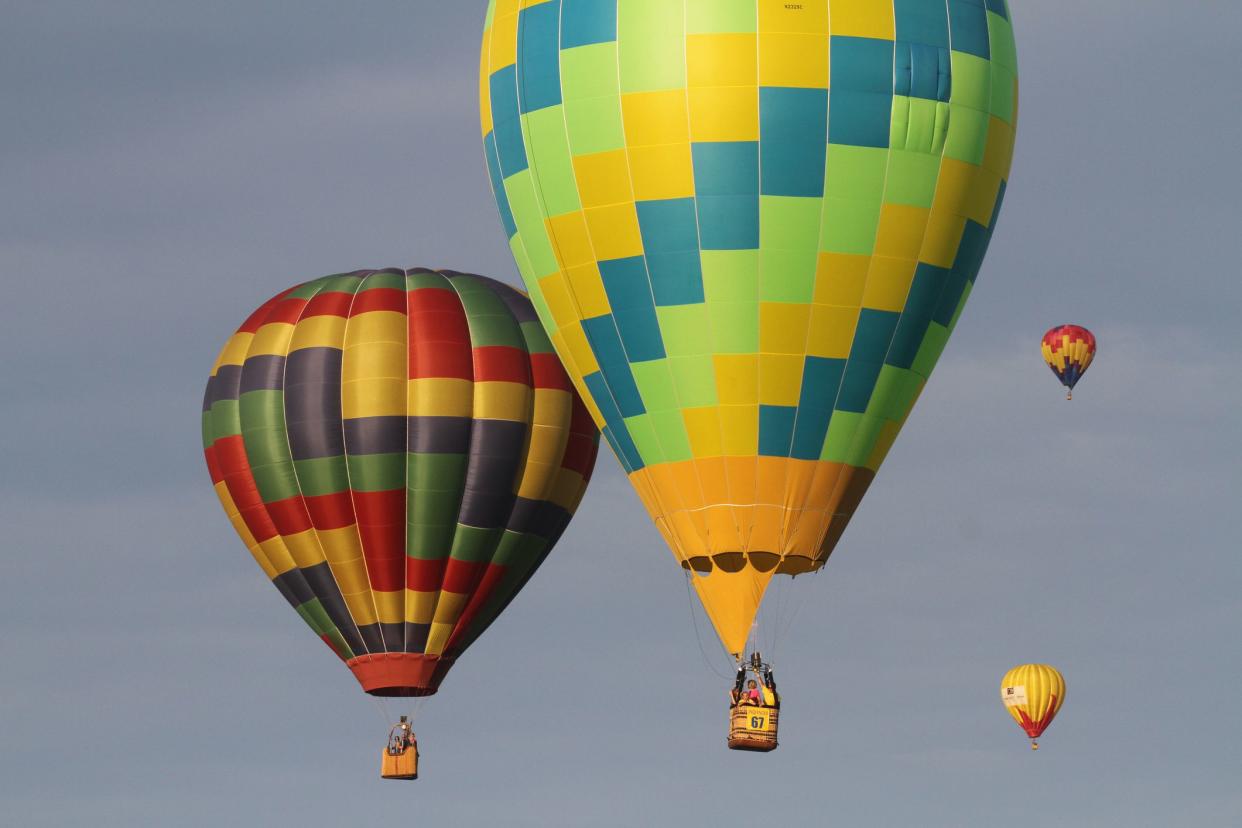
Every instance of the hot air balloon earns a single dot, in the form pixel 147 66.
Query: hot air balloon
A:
pixel 1069 350
pixel 1033 695
pixel 400 450
pixel 749 229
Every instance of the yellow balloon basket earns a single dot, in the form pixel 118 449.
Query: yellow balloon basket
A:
pixel 403 765
pixel 753 728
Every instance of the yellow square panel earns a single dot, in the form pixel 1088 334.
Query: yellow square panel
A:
pixel 703 429
pixel 966 190
pixel 809 16
pixel 724 113
pixel 737 379
pixel 943 237
pixel 485 87
pixel 661 172
pixel 318 332
pixel 832 331
pixel 420 607
pixel 780 378
pixel 901 231
pixel 570 239
pixel 888 284
pixel 373 397
pixel 739 427
pixel 272 339
pixel 798 60
pixel 235 350
pixel 439 397
pixel 862 18
pixel 615 232
pixel 496 400
pixel 583 360
pixel 656 118
pixel 721 60
pixel 839 278
pixel 504 42
pixel 558 299
pixel 587 290
pixel 998 155
pixel 603 178
pixel 782 327
pixel 390 605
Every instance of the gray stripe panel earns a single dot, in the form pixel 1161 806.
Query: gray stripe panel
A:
pixel 497 448
pixel 263 373
pixel 375 435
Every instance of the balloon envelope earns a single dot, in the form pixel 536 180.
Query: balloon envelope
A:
pixel 1033 695
pixel 749 229
pixel 399 449
pixel 1069 351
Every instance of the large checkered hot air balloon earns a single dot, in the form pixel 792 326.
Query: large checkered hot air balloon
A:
pixel 749 227
pixel 399 449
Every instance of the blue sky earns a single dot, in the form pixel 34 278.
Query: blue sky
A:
pixel 167 166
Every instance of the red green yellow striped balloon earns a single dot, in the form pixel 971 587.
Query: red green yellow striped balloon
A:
pixel 399 449
pixel 749 227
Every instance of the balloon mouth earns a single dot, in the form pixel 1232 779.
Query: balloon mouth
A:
pixel 401 675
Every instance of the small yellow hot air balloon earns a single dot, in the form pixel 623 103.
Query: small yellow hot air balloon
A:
pixel 1033 695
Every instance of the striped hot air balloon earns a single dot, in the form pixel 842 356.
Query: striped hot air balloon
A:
pixel 1033 695
pixel 399 449
pixel 1069 351
pixel 749 227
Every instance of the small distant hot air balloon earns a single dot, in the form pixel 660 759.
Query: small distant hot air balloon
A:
pixel 400 450
pixel 1033 695
pixel 1068 350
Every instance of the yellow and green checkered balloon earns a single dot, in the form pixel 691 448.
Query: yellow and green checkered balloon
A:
pixel 749 227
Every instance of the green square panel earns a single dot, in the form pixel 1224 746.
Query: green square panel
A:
pixel 594 125
pixel 972 81
pixel 655 384
pixel 850 225
pixel 731 275
pixel 590 72
pixel 528 216
pixel 652 45
pixel 735 327
pixel 670 430
pixel 695 380
pixel 968 135
pixel 683 329
pixel 549 153
pixel 720 16
pixel 643 433
pixel 788 275
pixel 912 178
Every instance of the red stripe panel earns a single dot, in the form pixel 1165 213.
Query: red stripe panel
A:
pixel 288 311
pixel 255 319
pixel 331 511
pixel 213 465
pixel 290 515
pixel 381 527
pixel 579 454
pixel 462 577
pixel 378 299
pixel 547 372
pixel 482 594
pixel 329 303
pixel 231 453
pixel 439 336
pixel 424 575
pixel 500 363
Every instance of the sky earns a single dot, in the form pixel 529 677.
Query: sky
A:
pixel 166 166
